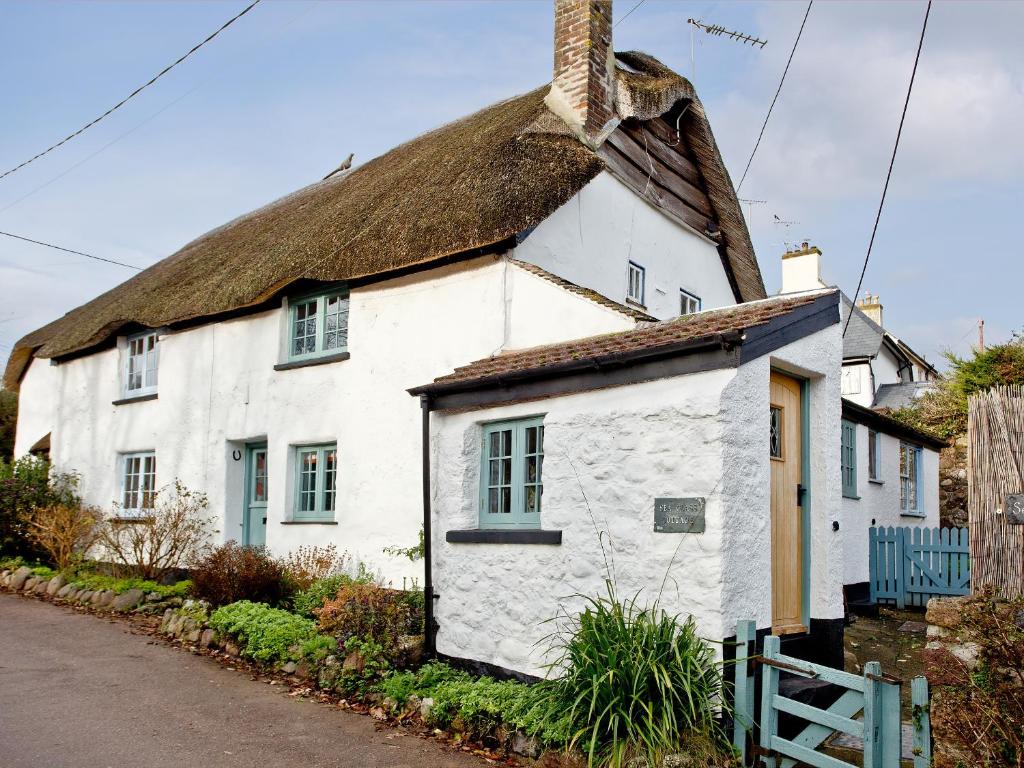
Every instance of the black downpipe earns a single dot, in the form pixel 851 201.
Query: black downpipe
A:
pixel 429 627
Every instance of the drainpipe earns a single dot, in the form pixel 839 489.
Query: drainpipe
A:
pixel 429 627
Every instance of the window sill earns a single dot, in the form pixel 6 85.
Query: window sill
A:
pixel 135 399
pixel 852 498
pixel 919 515
pixel 503 536
pixel 309 522
pixel 876 482
pixel 324 360
pixel 634 303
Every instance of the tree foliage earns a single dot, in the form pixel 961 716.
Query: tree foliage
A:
pixel 8 422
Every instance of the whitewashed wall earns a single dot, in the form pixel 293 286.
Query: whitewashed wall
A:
pixel 218 391
pixel 879 502
pixel 591 239
pixel 627 445
pixel 747 552
pixel 704 434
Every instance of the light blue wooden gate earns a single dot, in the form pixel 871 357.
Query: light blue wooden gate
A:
pixel 875 695
pixel 907 566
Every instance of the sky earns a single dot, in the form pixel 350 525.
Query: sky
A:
pixel 283 95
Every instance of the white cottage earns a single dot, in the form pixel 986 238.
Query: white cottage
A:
pixel 267 362
pixel 890 471
pixel 695 456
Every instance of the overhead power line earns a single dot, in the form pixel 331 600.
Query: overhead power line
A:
pixel 777 92
pixel 892 162
pixel 627 13
pixel 68 250
pixel 134 93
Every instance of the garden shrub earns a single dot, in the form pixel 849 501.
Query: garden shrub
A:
pixel 309 600
pixel 266 634
pixel 25 485
pixel 66 532
pixel 309 564
pixel 231 573
pixel 373 613
pixel 978 719
pixel 171 534
pixel 635 681
pixel 99 582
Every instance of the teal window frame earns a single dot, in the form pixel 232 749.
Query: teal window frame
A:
pixel 636 279
pixel 689 303
pixel 316 482
pixel 145 364
pixel 848 459
pixel 319 333
pixel 911 459
pixel 504 465
pixel 874 456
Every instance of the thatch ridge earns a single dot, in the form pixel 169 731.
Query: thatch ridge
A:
pixel 469 184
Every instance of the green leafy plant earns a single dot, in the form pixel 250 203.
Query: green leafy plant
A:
pixel 365 666
pixel 25 485
pixel 308 601
pixel 412 553
pixel 635 680
pixel 267 634
pixel 231 573
pixel 99 582
pixel 317 648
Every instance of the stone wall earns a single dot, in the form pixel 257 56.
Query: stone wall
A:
pixel 953 484
pixel 57 588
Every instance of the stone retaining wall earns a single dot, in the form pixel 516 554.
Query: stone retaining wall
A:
pixel 57 588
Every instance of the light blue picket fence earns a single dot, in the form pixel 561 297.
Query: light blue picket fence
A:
pixel 907 566
pixel 868 708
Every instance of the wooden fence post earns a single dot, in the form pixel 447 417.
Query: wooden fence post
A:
pixel 872 715
pixel 743 689
pixel 873 563
pixel 769 687
pixel 900 572
pixel 922 722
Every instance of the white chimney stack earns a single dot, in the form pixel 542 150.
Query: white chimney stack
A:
pixel 801 269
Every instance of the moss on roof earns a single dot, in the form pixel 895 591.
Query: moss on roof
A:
pixel 469 184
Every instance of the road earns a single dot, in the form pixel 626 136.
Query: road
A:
pixel 78 691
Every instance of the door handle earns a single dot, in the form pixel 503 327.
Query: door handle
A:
pixel 801 492
pixel 264 521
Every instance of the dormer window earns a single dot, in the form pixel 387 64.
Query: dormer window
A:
pixel 318 325
pixel 141 360
pixel 688 302
pixel 635 283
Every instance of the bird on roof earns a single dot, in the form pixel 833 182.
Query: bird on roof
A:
pixel 345 165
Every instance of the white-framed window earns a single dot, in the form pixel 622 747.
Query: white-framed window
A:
pixel 635 275
pixel 688 302
pixel 874 456
pixel 851 381
pixel 318 324
pixel 138 483
pixel 316 481
pixel 141 360
pixel 910 484
pixel 511 473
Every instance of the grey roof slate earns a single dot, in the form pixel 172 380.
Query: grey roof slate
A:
pixel 896 396
pixel 864 336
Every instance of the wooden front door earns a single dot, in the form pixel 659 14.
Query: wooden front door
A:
pixel 254 530
pixel 786 459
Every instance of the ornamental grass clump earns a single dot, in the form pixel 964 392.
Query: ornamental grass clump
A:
pixel 634 682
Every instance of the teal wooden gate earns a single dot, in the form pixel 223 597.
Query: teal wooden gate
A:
pixel 907 566
pixel 872 694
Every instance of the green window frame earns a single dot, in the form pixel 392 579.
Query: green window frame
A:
pixel 848 459
pixel 316 482
pixel 318 324
pixel 910 480
pixel 511 473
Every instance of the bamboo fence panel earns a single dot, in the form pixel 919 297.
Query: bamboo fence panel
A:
pixel 995 456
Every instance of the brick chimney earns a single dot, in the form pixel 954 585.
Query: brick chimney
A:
pixel 801 269
pixel 583 88
pixel 872 307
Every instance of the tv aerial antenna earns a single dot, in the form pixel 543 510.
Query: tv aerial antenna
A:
pixel 750 206
pixel 717 30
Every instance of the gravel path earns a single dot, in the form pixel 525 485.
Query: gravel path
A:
pixel 80 692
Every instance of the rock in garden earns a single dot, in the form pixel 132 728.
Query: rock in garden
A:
pixel 30 584
pixel 411 649
pixel 425 706
pixel 19 578
pixel 206 639
pixel 945 611
pixel 84 596
pixel 679 760
pixel 289 668
pixel 64 591
pixel 154 597
pixel 231 649
pixel 193 636
pixel 56 584
pixel 354 661
pixel 41 587
pixel 525 745
pixel 127 600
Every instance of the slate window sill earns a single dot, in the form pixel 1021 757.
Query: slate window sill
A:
pixel 312 361
pixel 309 522
pixel 498 536
pixel 876 482
pixel 135 399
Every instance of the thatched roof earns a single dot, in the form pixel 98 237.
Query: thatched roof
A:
pixel 467 185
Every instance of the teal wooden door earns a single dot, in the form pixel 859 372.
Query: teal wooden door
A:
pixel 254 528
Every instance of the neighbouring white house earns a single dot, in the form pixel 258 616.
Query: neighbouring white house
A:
pixel 890 471
pixel 690 459
pixel 267 362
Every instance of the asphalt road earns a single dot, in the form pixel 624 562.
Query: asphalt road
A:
pixel 78 691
